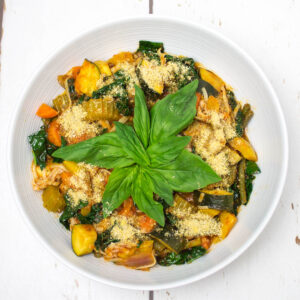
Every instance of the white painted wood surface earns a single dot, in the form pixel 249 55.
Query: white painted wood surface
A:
pixel 268 31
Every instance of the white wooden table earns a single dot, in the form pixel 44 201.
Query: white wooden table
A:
pixel 268 31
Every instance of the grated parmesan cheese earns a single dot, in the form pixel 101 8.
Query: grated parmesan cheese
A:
pixel 73 124
pixel 123 230
pixel 198 224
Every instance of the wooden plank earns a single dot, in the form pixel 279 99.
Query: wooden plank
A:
pixel 32 30
pixel 268 31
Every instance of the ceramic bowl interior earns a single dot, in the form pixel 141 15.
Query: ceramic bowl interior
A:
pixel 267 133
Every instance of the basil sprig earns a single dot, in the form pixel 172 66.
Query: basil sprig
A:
pixel 148 158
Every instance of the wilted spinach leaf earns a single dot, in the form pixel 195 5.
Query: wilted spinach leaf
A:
pixel 184 257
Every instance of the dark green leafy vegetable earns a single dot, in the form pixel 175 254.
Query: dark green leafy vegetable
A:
pixel 118 188
pixel 251 169
pixel 38 144
pixel 142 195
pixel 141 120
pixel 231 99
pixel 187 71
pixel 41 147
pixel 104 151
pixel 172 114
pixel 70 87
pixel 187 173
pixel 131 144
pixel 70 211
pixel 163 152
pixel 145 46
pixel 174 168
pixel 104 239
pixel 236 196
pixel 220 202
pixel 94 216
pixel 185 257
pixel 117 90
pixel 83 98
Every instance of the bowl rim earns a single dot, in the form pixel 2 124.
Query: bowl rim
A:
pixel 192 278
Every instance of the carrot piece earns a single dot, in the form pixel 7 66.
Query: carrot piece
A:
pixel 198 95
pixel 146 223
pixel 46 112
pixel 53 134
pixel 127 208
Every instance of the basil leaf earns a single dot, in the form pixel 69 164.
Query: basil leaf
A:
pixel 118 188
pixel 141 119
pixel 172 114
pixel 163 152
pixel 188 173
pixel 131 144
pixel 142 195
pixel 103 151
pixel 160 185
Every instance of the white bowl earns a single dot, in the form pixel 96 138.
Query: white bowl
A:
pixel 267 133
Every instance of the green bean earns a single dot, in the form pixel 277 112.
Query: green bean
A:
pixel 247 117
pixel 242 182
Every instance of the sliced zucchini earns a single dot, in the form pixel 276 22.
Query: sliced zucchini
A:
pixel 84 237
pixel 53 200
pixel 121 57
pixel 103 67
pixel 116 90
pixel 168 239
pixel 150 78
pixel 86 80
pixel 215 81
pixel 244 147
pixel 217 199
pixel 150 46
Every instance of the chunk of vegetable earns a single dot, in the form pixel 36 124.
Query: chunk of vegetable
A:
pixel 70 74
pixel 71 166
pixel 145 223
pixel 213 103
pixel 121 57
pixel 212 79
pixel 84 237
pixel 244 147
pixel 150 46
pixel 217 200
pixel 45 111
pixel 54 136
pixel 86 80
pixel 242 181
pixel 101 109
pixel 117 90
pixel 61 102
pixel 227 220
pixel 168 239
pixel 103 67
pixel 184 257
pixel 53 200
